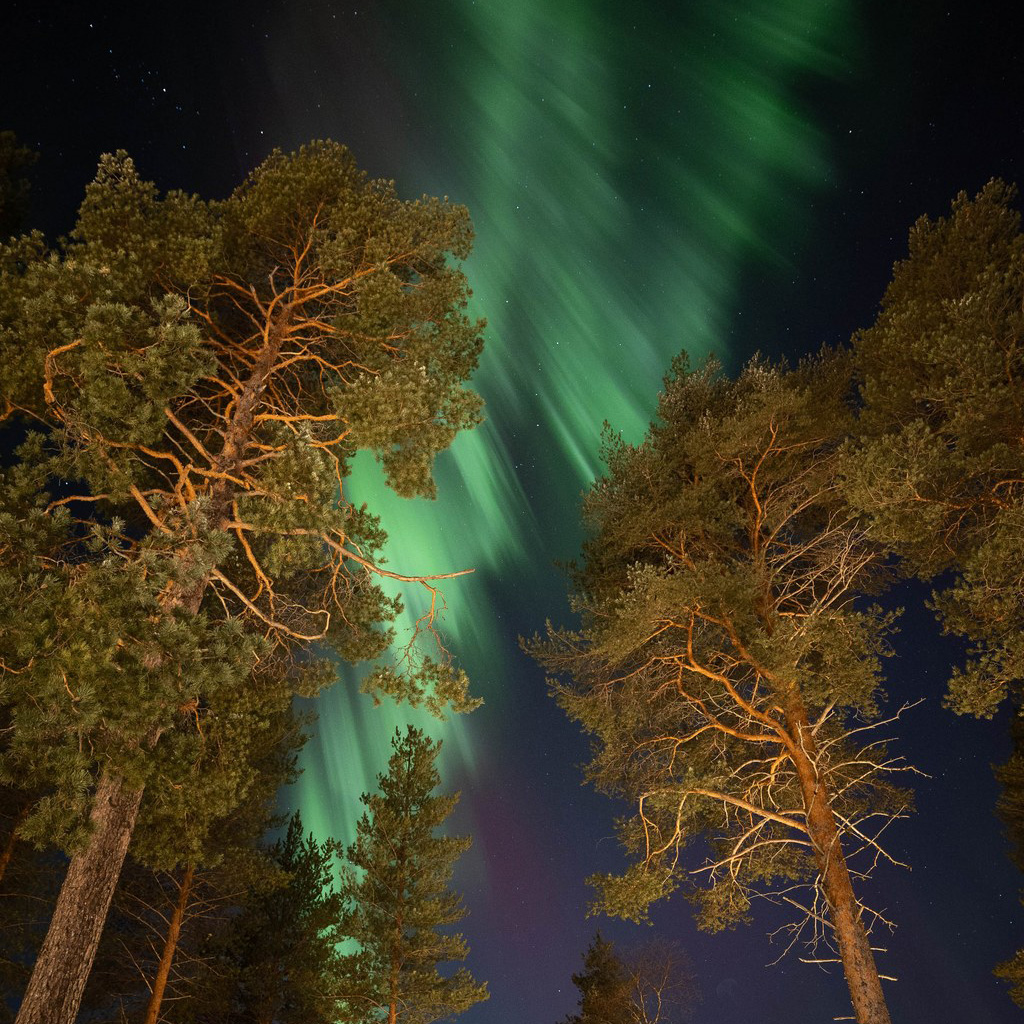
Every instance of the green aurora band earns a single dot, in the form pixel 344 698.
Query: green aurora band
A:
pixel 623 171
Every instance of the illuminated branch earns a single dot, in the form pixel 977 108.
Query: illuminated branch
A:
pixel 279 626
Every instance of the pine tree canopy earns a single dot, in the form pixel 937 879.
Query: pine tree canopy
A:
pixel 604 986
pixel 194 378
pixel 399 900
pixel 725 665
pixel 940 463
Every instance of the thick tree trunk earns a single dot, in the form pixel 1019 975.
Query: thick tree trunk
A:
pixel 170 946
pixel 851 937
pixel 65 960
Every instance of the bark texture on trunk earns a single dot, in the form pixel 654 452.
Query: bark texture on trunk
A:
pixel 851 937
pixel 170 947
pixel 65 960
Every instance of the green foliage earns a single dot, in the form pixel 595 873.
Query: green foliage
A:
pixel 176 547
pixel 1012 971
pixel 279 961
pixel 939 463
pixel 429 683
pixel 223 800
pixel 724 655
pixel 396 888
pixel 630 894
pixel 604 987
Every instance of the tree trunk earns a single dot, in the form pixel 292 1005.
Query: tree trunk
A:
pixel 12 839
pixel 393 987
pixel 265 1012
pixel 851 937
pixel 392 1002
pixel 396 963
pixel 170 946
pixel 65 960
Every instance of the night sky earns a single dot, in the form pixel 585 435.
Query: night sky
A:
pixel 738 175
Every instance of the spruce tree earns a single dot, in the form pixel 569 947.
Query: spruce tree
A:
pixel 604 987
pixel 279 963
pixel 396 887
pixel 195 378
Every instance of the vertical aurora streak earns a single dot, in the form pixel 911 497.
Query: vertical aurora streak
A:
pixel 623 172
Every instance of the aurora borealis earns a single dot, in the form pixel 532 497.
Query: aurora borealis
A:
pixel 577 324
pixel 716 177
pixel 581 325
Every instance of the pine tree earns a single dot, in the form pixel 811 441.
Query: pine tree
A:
pixel 604 986
pixel 652 983
pixel 279 963
pixel 939 461
pixel 397 892
pixel 196 377
pixel 725 666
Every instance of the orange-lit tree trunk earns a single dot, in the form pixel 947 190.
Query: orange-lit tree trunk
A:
pixel 170 946
pixel 396 965
pixel 66 957
pixel 850 934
